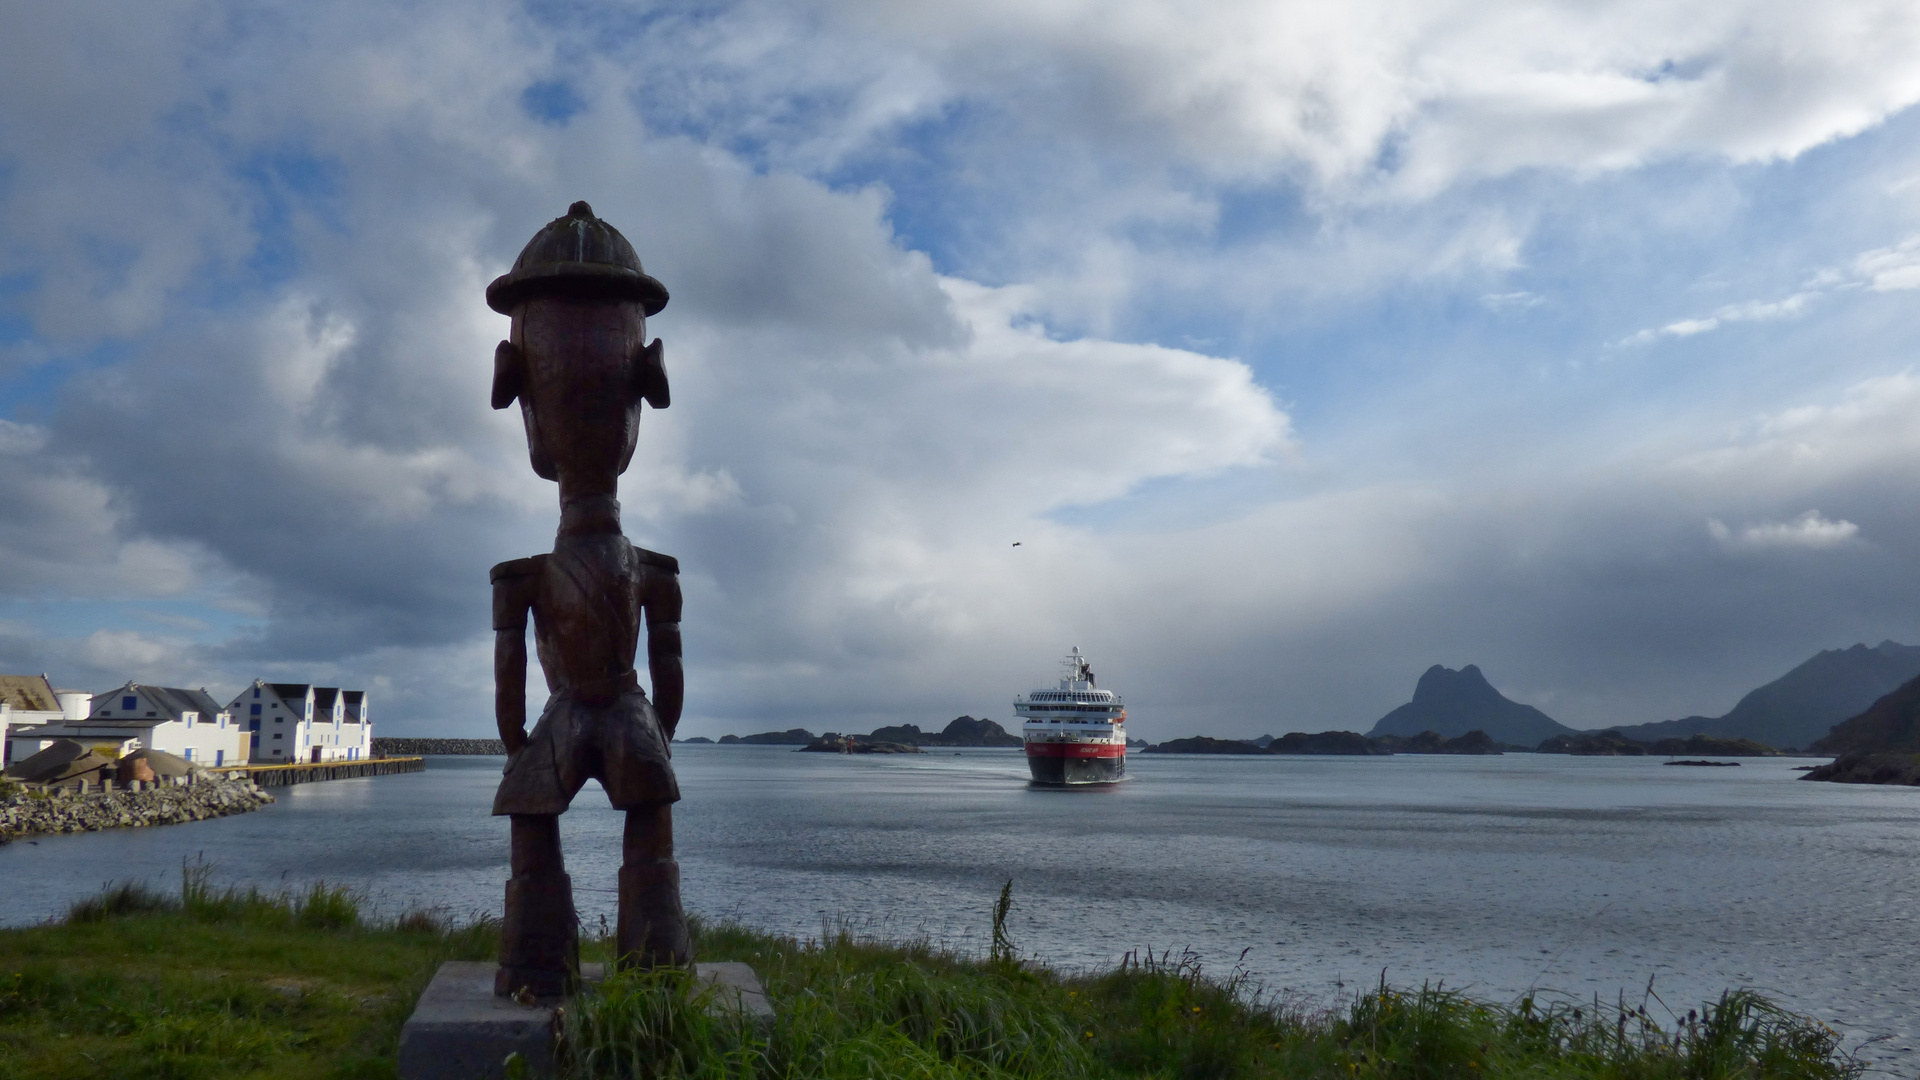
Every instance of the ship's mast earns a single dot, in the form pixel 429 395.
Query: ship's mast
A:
pixel 1078 671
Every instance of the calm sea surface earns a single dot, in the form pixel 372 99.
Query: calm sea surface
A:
pixel 1579 875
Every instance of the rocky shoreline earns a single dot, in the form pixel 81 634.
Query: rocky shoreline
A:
pixel 1901 770
pixel 34 812
pixel 386 747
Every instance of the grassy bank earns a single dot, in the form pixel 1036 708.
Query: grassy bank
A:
pixel 225 984
pixel 856 1009
pixel 216 983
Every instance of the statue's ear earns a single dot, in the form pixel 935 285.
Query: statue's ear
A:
pixel 650 376
pixel 509 373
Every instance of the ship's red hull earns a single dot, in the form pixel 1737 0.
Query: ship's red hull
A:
pixel 1076 763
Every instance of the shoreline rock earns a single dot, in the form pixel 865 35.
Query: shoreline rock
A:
pixel 835 743
pixel 42 813
pixel 1897 769
pixel 397 747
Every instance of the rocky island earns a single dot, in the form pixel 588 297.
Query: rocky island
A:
pixel 894 739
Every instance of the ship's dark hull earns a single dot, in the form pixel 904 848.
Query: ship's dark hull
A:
pixel 1054 768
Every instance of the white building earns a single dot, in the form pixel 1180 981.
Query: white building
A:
pixel 297 722
pixel 188 723
pixel 29 701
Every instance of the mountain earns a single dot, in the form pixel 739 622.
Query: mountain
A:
pixel 1801 706
pixel 961 731
pixel 1890 725
pixel 790 737
pixel 1430 742
pixel 1326 742
pixel 1452 703
pixel 1202 744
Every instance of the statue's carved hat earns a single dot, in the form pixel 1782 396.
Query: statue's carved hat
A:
pixel 577 255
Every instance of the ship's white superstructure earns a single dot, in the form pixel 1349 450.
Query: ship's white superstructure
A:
pixel 1075 732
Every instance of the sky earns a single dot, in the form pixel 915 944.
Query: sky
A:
pixel 1298 346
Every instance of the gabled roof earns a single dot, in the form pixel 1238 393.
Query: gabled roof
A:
pixel 291 694
pixel 323 698
pixel 29 693
pixel 169 701
pixel 112 727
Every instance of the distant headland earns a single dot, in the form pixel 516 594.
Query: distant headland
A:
pixel 894 739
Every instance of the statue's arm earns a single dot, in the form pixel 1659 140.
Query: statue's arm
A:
pixel 513 586
pixel 663 650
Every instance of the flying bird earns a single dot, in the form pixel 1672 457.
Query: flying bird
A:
pixel 1016 543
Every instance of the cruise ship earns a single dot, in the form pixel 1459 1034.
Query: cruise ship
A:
pixel 1075 733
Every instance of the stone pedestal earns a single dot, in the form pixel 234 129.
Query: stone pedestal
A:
pixel 460 1031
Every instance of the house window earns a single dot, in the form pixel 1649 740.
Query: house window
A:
pixel 219 758
pixel 254 711
pixel 253 724
pixel 256 741
pixel 189 718
pixel 187 753
pixel 278 735
pixel 256 697
pixel 129 703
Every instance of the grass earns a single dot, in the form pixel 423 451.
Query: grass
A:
pixel 216 983
pixel 224 983
pixel 851 1008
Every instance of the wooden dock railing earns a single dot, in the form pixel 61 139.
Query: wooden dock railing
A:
pixel 310 772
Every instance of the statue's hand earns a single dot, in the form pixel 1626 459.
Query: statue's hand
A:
pixel 514 737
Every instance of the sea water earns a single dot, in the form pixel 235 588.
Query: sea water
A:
pixel 1585 877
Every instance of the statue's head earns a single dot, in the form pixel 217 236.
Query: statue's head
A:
pixel 576 358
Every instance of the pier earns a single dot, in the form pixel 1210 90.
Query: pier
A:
pixel 311 772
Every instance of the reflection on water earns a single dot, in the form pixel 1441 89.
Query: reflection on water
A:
pixel 1583 875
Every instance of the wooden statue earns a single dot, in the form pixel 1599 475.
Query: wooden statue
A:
pixel 578 363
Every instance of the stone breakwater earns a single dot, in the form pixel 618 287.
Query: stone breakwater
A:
pixel 35 812
pixel 385 747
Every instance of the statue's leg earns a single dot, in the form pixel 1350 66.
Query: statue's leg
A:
pixel 539 938
pixel 653 928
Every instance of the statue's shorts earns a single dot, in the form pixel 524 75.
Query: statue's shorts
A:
pixel 618 743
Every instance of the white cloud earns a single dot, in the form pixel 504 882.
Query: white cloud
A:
pixel 1428 94
pixel 1809 530
pixel 1891 269
pixel 1807 447
pixel 1748 311
pixel 1511 301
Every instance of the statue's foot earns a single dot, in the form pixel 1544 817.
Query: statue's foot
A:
pixel 653 927
pixel 539 938
pixel 528 985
